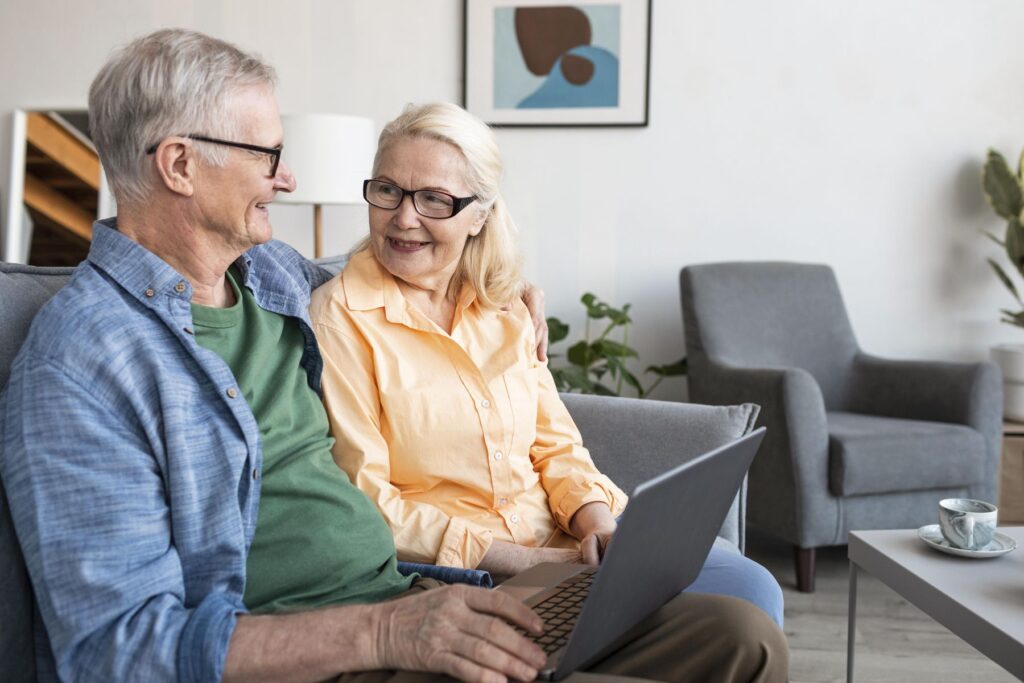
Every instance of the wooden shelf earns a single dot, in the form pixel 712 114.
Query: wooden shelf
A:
pixel 62 184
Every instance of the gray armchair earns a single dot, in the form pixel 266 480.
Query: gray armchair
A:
pixel 854 441
pixel 631 440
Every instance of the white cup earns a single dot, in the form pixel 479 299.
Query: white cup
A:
pixel 967 524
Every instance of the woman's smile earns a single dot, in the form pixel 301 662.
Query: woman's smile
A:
pixel 406 246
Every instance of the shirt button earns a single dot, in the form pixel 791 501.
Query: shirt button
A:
pixel 150 292
pixel 485 403
pixel 180 287
pixel 497 455
pixel 232 392
pixel 255 474
pixel 514 518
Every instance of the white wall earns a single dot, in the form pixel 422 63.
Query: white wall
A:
pixel 849 133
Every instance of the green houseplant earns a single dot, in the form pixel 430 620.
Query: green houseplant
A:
pixel 597 364
pixel 1004 190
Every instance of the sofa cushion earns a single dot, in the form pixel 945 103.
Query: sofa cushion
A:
pixel 23 289
pixel 613 429
pixel 870 454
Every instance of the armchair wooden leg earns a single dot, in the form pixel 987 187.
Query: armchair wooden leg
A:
pixel 803 558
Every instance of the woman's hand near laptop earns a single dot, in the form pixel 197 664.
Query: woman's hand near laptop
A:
pixel 507 559
pixel 593 525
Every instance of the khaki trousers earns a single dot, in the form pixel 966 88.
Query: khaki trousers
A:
pixel 693 637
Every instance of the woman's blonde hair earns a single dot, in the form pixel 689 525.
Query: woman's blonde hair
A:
pixel 490 262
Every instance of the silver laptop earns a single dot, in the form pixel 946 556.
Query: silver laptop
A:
pixel 661 543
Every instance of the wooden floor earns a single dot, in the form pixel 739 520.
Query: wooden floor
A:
pixel 896 642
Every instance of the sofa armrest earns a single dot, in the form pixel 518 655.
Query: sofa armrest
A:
pixel 789 472
pixel 633 440
pixel 962 393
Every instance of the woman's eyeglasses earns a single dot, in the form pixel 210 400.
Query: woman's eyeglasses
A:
pixel 428 203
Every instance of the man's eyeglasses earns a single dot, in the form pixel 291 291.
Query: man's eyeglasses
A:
pixel 428 203
pixel 274 153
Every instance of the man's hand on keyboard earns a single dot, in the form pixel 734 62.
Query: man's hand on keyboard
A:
pixel 461 631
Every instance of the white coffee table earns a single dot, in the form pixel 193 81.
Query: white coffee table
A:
pixel 981 601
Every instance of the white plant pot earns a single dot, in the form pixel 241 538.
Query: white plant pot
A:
pixel 1010 358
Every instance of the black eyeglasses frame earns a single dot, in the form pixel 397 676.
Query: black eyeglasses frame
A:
pixel 273 152
pixel 458 203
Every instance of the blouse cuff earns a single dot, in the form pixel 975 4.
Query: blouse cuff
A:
pixel 463 545
pixel 579 490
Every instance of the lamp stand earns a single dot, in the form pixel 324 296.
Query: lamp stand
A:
pixel 317 228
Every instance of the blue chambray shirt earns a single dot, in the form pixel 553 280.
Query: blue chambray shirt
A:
pixel 132 461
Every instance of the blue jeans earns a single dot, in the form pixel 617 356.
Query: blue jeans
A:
pixel 726 572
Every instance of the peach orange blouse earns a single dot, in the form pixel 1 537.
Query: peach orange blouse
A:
pixel 459 439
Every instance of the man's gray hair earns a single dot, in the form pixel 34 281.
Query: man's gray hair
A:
pixel 171 82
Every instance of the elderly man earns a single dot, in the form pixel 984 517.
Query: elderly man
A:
pixel 175 381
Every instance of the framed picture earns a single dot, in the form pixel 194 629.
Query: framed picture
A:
pixel 557 62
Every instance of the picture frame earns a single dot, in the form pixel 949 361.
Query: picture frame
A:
pixel 556 63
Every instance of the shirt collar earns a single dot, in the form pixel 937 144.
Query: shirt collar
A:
pixel 141 272
pixel 368 285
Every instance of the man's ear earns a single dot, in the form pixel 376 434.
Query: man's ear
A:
pixel 176 166
pixel 478 222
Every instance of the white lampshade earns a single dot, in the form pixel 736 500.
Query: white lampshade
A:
pixel 330 155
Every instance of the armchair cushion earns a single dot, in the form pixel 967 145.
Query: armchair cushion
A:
pixel 869 454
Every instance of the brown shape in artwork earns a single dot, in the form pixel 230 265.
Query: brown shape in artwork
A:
pixel 577 70
pixel 547 33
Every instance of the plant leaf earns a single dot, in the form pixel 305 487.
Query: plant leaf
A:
pixel 1007 282
pixel 557 330
pixel 607 347
pixel 1002 187
pixel 581 354
pixel 632 381
pixel 596 308
pixel 1015 243
pixel 995 239
pixel 676 369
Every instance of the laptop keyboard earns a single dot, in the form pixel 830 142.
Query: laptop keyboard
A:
pixel 561 610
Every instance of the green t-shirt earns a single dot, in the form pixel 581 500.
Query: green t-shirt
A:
pixel 319 540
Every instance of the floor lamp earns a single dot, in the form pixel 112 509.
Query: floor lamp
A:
pixel 330 156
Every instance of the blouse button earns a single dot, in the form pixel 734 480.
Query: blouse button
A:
pixel 497 455
pixel 485 403
pixel 514 518
pixel 503 501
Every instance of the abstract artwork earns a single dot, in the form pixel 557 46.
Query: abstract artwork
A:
pixel 533 63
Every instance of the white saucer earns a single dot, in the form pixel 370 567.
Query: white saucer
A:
pixel 1000 544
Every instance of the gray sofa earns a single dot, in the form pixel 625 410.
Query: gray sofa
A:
pixel 854 441
pixel 631 441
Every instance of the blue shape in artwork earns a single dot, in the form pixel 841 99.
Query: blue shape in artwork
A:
pixel 602 90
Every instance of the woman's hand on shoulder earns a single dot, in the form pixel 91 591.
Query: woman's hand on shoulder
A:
pixel 533 297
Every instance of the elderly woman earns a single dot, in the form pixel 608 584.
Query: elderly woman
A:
pixel 441 412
